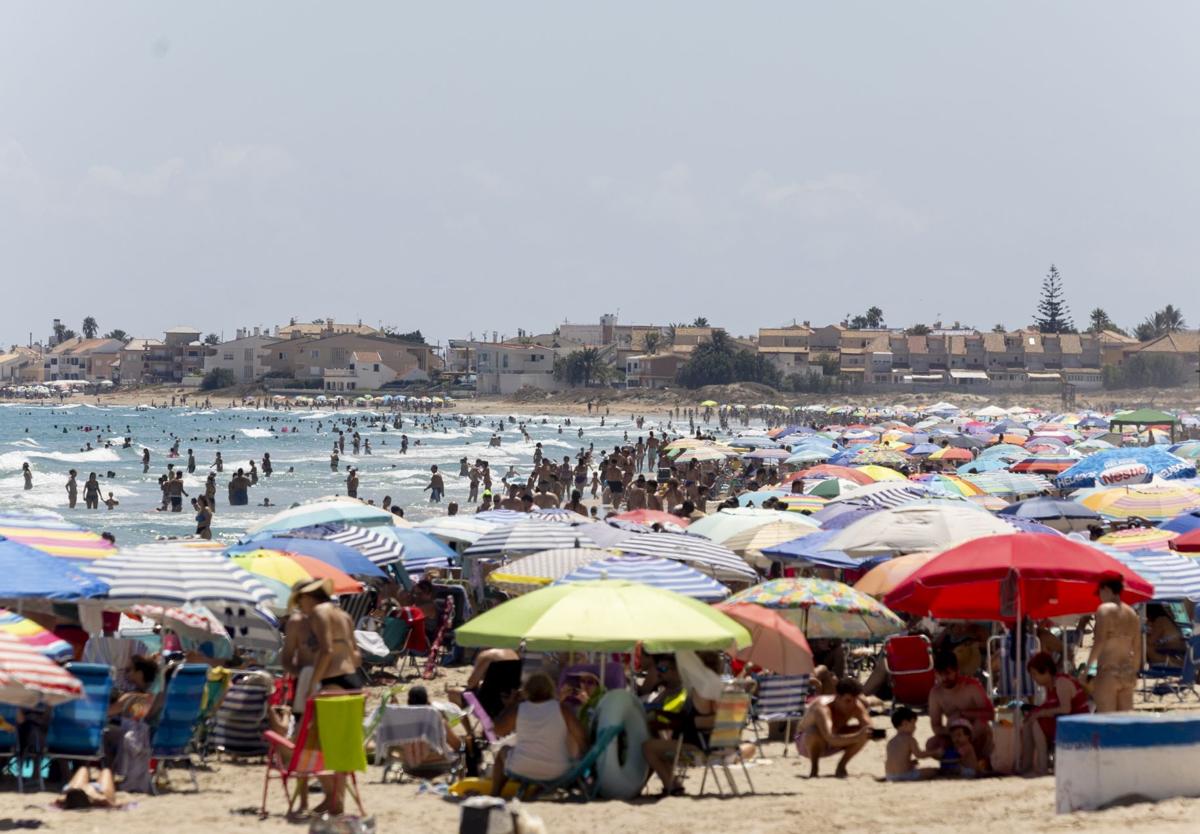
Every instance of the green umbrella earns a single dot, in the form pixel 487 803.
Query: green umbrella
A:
pixel 605 615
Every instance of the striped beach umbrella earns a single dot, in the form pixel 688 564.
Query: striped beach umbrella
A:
pixel 1139 538
pixel 1156 503
pixel 33 635
pixel 51 534
pixel 749 544
pixel 528 573
pixel 714 559
pixel 460 529
pixel 885 494
pixel 651 570
pixel 527 536
pixel 800 503
pixel 169 575
pixel 421 550
pixel 324 511
pixel 375 543
pixel 29 679
pixel 1010 483
pixel 1174 577
pixel 952 485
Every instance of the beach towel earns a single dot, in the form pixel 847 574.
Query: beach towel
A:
pixel 697 677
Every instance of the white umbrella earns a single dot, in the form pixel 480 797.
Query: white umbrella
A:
pixel 174 575
pixel 527 536
pixel 714 559
pixel 727 523
pixel 917 527
pixel 456 528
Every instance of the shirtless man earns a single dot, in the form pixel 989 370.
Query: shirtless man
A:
pixel 954 697
pixel 544 499
pixel 1116 652
pixel 833 724
pixel 636 495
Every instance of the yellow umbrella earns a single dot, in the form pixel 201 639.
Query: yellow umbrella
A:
pixel 880 473
pixel 709 403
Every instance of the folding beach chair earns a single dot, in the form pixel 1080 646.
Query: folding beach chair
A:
pixel 175 730
pixel 242 716
pixel 908 660
pixel 77 727
pixel 22 762
pixel 339 721
pixel 579 782
pixel 418 735
pixel 480 715
pixel 291 760
pixel 779 698
pixel 358 606
pixel 416 641
pixel 1175 680
pixel 725 741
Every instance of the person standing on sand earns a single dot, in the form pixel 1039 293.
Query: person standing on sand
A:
pixel 72 489
pixel 27 475
pixel 1116 654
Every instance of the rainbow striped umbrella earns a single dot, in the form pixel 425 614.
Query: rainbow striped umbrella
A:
pixel 34 636
pixel 1139 538
pixel 799 503
pixel 948 485
pixel 51 534
pixel 1156 503
pixel 824 609
pixel 29 679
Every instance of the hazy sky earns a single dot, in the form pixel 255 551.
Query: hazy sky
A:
pixel 463 167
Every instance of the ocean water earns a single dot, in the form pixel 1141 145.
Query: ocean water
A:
pixel 54 439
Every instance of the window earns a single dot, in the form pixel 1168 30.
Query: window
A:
pixel 314 354
pixel 228 357
pixel 505 362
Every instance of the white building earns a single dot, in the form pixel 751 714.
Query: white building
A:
pixel 246 356
pixel 365 372
pixel 503 368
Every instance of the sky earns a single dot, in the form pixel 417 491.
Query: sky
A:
pixel 466 167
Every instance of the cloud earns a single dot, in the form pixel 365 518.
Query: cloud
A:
pixel 249 161
pixel 152 182
pixel 834 197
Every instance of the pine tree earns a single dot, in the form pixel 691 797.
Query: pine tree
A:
pixel 1053 314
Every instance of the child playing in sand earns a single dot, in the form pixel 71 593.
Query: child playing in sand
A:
pixel 963 751
pixel 903 751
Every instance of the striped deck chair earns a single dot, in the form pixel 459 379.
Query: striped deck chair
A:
pixel 725 741
pixel 77 727
pixel 779 698
pixel 242 717
pixel 358 606
pixel 175 730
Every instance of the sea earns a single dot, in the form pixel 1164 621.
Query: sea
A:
pixel 54 439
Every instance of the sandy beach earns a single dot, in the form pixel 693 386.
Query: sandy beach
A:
pixel 786 801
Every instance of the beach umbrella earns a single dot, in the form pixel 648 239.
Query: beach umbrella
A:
pixel 951 453
pixel 501 517
pixel 1010 483
pixel 810 454
pixel 559 514
pixel 1058 513
pixel 420 550
pixel 801 503
pixel 812 548
pixel 324 511
pixel 344 558
pixel 1174 577
pixel 36 637
pixel 51 534
pixel 824 609
pixel 886 458
pixel 375 543
pixel 605 615
pixel 885 576
pixel 950 485
pixel 528 536
pixel 724 524
pixel 1188 450
pixel 880 473
pixel 1045 464
pixel 714 559
pixel 913 528
pixel 1125 466
pixel 528 573
pixel 29 679
pixel 1138 538
pixel 1182 523
pixel 1153 502
pixel 831 488
pixel 1002 578
pixel 749 544
pixel 290 568
pixel 649 517
pixel 1187 542
pixel 460 529
pixel 776 643
pixel 171 575
pixel 829 470
pixel 709 404
pixel 885 494
pixel 666 574
pixel 28 573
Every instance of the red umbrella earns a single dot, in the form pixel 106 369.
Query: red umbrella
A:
pixel 1189 542
pixel 649 517
pixel 776 643
pixel 1002 577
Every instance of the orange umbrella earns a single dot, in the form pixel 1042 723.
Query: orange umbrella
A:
pixel 882 578
pixel 776 643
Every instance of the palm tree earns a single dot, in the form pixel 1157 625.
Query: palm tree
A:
pixel 651 341
pixel 589 365
pixel 700 321
pixel 90 328
pixel 1164 321
pixel 672 332
pixel 118 334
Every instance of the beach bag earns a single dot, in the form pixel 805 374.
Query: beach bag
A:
pixel 133 756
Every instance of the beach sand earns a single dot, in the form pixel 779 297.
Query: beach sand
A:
pixel 786 801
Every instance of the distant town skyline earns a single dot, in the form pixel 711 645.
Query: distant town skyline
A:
pixel 483 166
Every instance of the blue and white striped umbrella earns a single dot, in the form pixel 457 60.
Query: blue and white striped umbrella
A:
pixel 528 536
pixel 171 574
pixel 712 558
pixel 374 543
pixel 650 570
pixel 421 550
pixel 885 495
pixel 1174 577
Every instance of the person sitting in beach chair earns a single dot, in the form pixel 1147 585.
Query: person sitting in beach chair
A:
pixel 549 736
pixel 426 744
pixel 1064 696
pixel 838 723
pixel 1165 644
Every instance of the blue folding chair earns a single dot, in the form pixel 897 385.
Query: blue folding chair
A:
pixel 779 698
pixel 175 729
pixel 1176 680
pixel 579 781
pixel 77 727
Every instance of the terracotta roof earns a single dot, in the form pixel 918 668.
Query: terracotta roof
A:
pixel 781 349
pixel 993 342
pixel 918 344
pixel 1180 341
pixel 1070 343
pixel 957 346
pixel 1112 337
